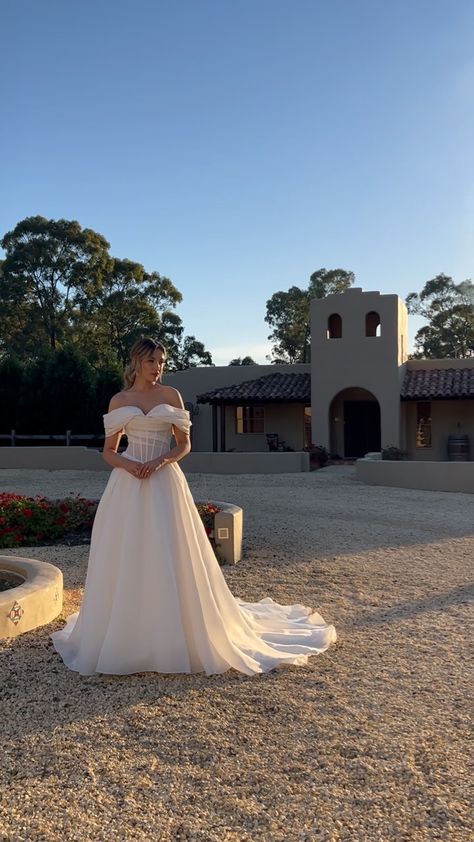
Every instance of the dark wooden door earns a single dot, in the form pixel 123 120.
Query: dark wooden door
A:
pixel 361 428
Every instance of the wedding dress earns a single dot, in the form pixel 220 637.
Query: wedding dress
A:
pixel 155 598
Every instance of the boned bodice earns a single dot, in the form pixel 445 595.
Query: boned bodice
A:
pixel 148 433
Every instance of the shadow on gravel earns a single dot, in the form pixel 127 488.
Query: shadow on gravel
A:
pixel 46 696
pixel 463 595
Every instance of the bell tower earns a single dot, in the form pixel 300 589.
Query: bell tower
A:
pixel 358 349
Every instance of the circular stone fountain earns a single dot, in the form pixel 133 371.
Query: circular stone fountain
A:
pixel 35 595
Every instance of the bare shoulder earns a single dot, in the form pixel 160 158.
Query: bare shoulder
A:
pixel 172 396
pixel 117 400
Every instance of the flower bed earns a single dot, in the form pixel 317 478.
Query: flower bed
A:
pixel 32 521
pixel 36 520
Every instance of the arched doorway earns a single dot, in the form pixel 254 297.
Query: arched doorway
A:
pixel 354 422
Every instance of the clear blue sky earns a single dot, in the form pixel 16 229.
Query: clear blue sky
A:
pixel 238 145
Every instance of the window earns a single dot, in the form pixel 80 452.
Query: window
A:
pixel 423 424
pixel 372 324
pixel 249 419
pixel 334 327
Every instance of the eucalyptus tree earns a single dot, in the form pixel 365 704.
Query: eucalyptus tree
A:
pixel 289 314
pixel 449 311
pixel 129 303
pixel 48 265
pixel 60 287
pixel 243 361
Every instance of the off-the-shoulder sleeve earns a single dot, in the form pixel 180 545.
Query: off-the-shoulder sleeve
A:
pixel 180 419
pixel 115 421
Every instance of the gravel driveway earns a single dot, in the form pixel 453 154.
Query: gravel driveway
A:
pixel 368 742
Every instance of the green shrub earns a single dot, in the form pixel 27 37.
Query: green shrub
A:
pixel 393 454
pixel 320 454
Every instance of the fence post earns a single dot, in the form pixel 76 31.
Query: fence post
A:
pixel 68 438
pixel 12 434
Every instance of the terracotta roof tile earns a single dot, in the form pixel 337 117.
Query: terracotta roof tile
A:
pixel 438 384
pixel 279 388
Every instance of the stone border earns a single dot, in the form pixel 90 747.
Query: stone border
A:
pixel 36 602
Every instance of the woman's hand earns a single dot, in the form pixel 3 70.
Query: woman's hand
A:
pixel 133 468
pixel 149 468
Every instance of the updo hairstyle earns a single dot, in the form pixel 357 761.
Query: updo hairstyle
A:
pixel 141 349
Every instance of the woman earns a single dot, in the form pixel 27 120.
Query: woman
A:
pixel 155 597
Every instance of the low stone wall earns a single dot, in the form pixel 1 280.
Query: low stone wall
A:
pixel 246 463
pixel 426 476
pixel 81 458
pixel 52 459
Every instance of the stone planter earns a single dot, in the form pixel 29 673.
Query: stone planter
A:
pixel 228 530
pixel 36 601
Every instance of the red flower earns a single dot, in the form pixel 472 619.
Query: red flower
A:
pixel 27 513
pixel 60 521
pixel 64 508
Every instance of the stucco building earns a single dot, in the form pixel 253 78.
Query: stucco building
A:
pixel 360 393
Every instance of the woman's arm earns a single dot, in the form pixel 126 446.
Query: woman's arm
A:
pixel 114 459
pixel 183 447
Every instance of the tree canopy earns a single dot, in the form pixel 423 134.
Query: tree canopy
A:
pixel 49 264
pixel 243 361
pixel 449 310
pixel 289 314
pixel 60 288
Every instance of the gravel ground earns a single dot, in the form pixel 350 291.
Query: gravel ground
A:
pixel 368 742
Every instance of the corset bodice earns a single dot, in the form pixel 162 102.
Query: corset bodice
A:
pixel 145 444
pixel 148 433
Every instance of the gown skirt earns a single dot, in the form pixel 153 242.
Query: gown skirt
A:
pixel 155 598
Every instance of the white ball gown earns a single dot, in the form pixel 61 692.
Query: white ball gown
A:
pixel 155 598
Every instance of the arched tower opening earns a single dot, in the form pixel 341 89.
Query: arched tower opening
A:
pixel 334 330
pixel 372 324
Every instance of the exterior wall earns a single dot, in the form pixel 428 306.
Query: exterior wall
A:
pixel 80 458
pixel 195 381
pixel 448 418
pixel 427 476
pixel 374 363
pixel 285 419
pixel 447 362
pixel 402 320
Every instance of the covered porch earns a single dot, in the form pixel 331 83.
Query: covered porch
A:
pixel 268 413
pixel 437 406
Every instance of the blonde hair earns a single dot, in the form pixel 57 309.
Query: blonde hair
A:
pixel 140 349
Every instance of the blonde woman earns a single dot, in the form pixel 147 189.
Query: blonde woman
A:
pixel 155 598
